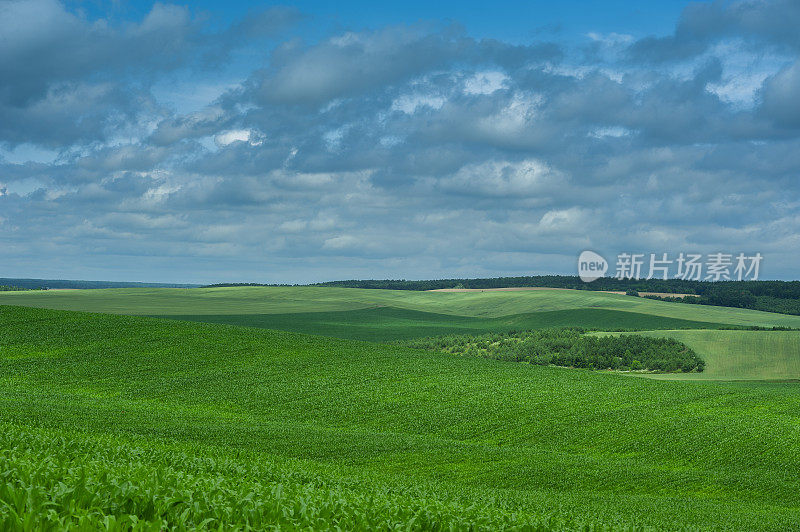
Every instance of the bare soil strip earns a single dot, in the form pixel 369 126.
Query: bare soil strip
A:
pixel 518 288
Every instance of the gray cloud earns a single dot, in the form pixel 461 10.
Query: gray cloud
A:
pixel 781 96
pixel 68 79
pixel 758 22
pixel 349 64
pixel 61 73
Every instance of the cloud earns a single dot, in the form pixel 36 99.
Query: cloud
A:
pixel 759 22
pixel 69 79
pixel 781 96
pixel 529 177
pixel 237 135
pixel 351 63
pixel 399 151
pixel 62 73
pixel 348 64
pixel 266 22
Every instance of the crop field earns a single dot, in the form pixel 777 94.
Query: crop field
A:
pixel 387 323
pixel 734 355
pixel 122 420
pixel 398 314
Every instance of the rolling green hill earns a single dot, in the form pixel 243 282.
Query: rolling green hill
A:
pixel 388 323
pixel 286 300
pixel 177 422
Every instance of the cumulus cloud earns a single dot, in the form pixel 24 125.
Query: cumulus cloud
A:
pixel 61 72
pixel 401 151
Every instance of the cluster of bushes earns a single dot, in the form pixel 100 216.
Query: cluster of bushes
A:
pixel 9 288
pixel 572 347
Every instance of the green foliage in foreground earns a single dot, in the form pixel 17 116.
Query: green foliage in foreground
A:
pixel 375 426
pixel 572 348
pixel 49 481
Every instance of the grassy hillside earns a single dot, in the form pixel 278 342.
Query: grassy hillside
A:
pixel 283 300
pixel 318 429
pixel 736 355
pixel 389 323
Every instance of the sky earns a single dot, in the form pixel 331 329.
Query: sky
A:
pixel 292 143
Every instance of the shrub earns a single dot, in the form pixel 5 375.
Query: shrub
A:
pixel 571 347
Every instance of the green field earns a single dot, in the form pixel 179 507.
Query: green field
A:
pixel 296 308
pixel 177 422
pixel 281 300
pixel 736 355
pixel 387 323
pixel 126 420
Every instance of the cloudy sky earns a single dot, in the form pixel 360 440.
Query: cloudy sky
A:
pixel 307 142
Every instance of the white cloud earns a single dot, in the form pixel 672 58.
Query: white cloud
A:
pixel 513 119
pixel 611 39
pixel 503 178
pixel 485 82
pixel 572 220
pixel 409 103
pixel 236 135
pixel 341 242
pixel 612 131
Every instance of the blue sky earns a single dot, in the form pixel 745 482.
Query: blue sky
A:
pixel 509 21
pixel 313 141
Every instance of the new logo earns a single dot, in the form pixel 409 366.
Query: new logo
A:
pixel 591 266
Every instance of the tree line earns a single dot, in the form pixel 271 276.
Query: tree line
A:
pixel 770 296
pixel 777 289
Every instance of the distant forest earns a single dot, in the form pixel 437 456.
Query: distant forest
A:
pixel 44 284
pixel 228 285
